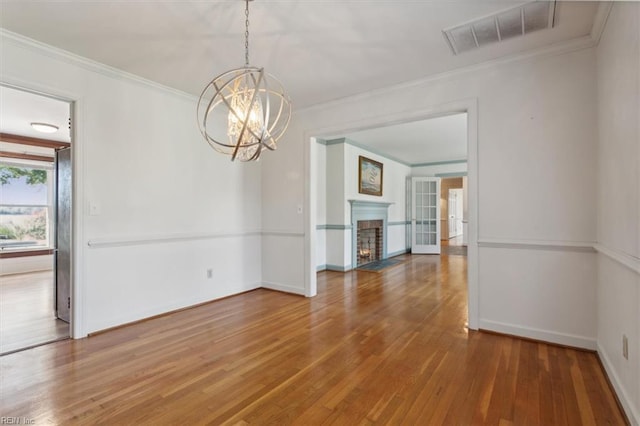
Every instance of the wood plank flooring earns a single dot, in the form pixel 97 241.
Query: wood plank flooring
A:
pixel 372 348
pixel 27 315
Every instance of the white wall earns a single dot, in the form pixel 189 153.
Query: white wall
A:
pixel 337 252
pixel 393 187
pixel 536 143
pixel 341 185
pixel 618 287
pixel 169 207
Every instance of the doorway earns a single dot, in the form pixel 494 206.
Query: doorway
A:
pixel 452 209
pixel 313 238
pixel 35 219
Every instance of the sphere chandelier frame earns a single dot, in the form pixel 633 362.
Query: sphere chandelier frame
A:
pixel 257 108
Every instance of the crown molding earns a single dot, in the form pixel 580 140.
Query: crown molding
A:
pixel 347 141
pixel 375 151
pixel 88 64
pixel 600 21
pixel 441 163
pixel 573 45
pixel 451 175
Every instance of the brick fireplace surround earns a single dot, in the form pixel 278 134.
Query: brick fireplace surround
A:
pixel 369 241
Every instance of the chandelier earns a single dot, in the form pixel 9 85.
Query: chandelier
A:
pixel 243 110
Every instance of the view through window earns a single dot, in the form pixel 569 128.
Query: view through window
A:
pixel 25 206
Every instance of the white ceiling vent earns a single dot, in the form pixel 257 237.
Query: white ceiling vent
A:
pixel 509 23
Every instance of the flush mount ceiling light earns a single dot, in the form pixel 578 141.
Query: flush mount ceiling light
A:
pixel 244 110
pixel 44 127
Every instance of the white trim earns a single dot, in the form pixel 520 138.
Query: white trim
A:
pixel 172 238
pixel 625 259
pixel 629 261
pixel 473 261
pixel 632 414
pixel 88 64
pixel 537 334
pixel 79 177
pixel 310 220
pixel 578 246
pixel 283 288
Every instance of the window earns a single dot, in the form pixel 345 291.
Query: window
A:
pixel 25 206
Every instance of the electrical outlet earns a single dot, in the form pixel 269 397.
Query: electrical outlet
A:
pixel 209 273
pixel 625 347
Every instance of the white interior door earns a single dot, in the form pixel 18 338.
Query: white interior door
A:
pixel 425 215
pixel 451 218
pixel 455 213
pixel 459 211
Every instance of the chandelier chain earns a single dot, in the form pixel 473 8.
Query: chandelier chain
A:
pixel 246 34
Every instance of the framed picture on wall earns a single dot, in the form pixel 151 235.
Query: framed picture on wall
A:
pixel 369 176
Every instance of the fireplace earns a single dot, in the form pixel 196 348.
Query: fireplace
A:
pixel 369 241
pixel 368 231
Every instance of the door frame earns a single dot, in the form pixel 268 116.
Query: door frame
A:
pixel 76 105
pixel 310 135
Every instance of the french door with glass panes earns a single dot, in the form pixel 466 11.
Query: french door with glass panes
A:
pixel 425 215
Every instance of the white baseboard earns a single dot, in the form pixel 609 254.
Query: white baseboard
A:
pixel 283 288
pixel 542 335
pixel 623 397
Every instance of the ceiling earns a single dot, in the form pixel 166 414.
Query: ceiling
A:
pixel 321 50
pixel 418 142
pixel 18 109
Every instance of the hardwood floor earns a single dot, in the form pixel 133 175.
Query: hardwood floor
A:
pixel 372 348
pixel 27 315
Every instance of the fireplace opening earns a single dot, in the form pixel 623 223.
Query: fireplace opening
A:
pixel 369 241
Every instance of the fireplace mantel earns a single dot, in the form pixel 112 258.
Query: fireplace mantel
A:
pixel 368 204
